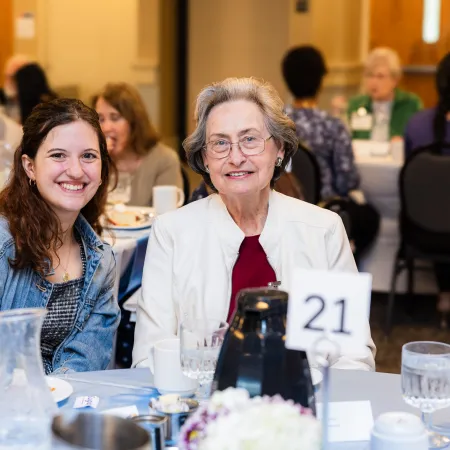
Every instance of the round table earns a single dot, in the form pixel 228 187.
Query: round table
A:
pixel 126 387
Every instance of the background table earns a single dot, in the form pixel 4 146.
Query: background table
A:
pixel 383 390
pixel 379 182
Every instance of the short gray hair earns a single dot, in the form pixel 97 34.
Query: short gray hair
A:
pixel 387 56
pixel 264 95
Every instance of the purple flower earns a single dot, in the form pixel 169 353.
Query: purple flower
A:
pixel 195 429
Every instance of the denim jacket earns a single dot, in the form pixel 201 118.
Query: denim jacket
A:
pixel 89 345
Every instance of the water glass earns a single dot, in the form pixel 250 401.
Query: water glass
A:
pixel 201 341
pixel 426 381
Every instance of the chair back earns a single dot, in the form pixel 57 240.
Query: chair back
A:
pixel 132 278
pixel 425 197
pixel 307 171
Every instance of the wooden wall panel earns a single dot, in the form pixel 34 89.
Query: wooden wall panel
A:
pixel 6 33
pixel 398 24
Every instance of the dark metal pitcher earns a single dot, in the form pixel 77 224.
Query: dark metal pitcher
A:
pixel 254 356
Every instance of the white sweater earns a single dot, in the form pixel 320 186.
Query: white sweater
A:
pixel 192 252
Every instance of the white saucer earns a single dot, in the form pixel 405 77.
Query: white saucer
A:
pixel 146 223
pixel 60 389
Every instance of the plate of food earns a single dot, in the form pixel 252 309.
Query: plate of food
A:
pixel 60 389
pixel 129 217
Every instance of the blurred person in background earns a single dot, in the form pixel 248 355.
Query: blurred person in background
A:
pixel 432 124
pixel 10 132
pixel 9 100
pixel 327 137
pixel 425 128
pixel 303 71
pixel 32 89
pixel 384 110
pixel 134 144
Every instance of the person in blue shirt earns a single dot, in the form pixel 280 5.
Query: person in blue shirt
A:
pixel 327 137
pixel 432 124
pixel 427 127
pixel 51 255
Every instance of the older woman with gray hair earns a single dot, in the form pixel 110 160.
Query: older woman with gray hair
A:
pixel 246 234
pixel 384 110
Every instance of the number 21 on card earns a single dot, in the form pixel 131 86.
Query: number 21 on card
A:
pixel 334 304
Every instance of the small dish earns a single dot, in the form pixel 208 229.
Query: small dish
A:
pixel 147 215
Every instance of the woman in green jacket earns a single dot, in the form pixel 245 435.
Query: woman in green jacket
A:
pixel 383 112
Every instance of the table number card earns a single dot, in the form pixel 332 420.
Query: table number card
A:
pixel 348 421
pixel 332 304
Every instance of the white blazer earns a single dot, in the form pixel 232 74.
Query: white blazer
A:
pixel 192 251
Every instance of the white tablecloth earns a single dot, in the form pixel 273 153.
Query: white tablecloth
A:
pixel 379 182
pixel 119 388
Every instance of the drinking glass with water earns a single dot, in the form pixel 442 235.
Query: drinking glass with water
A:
pixel 201 341
pixel 426 382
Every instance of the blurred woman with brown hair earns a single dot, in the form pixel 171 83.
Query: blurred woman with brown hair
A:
pixel 134 144
pixel 51 255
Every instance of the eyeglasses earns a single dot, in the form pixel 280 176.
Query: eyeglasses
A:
pixel 378 76
pixel 249 146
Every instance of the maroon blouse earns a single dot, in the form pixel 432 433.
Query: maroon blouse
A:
pixel 250 271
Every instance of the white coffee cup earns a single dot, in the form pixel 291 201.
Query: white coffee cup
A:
pixel 398 431
pixel 166 368
pixel 167 198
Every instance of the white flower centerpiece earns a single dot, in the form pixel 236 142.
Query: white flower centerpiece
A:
pixel 232 420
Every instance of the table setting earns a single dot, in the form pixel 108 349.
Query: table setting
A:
pixel 118 389
pixel 249 394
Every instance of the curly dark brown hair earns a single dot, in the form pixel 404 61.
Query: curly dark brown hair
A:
pixel 34 226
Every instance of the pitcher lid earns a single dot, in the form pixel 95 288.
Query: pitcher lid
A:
pixel 264 301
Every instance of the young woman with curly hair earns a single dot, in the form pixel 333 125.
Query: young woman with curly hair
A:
pixel 51 255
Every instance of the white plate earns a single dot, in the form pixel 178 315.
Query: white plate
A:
pixel 180 393
pixel 141 225
pixel 61 389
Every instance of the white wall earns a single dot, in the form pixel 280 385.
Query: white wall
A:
pixel 236 38
pixel 87 43
pixel 250 37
